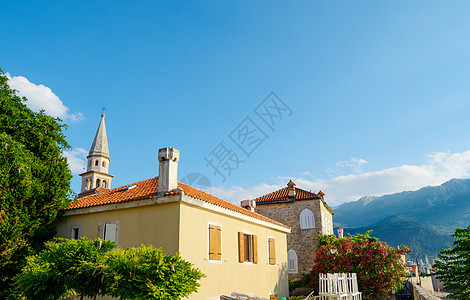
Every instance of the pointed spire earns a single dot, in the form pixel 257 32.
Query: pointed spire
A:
pixel 100 143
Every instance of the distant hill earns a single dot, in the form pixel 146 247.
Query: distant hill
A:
pixel 423 219
pixel 444 207
pixel 396 230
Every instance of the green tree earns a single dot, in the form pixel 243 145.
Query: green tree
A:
pixel 148 273
pixel 65 266
pixel 34 181
pixel 453 268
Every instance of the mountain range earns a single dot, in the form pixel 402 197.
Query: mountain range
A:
pixel 422 219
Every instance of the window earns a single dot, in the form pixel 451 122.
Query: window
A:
pixel 215 242
pixel 292 261
pixel 103 164
pixel 110 232
pixel 98 182
pixel 96 163
pixel 105 184
pixel 306 219
pixel 272 251
pixel 247 248
pixel 75 234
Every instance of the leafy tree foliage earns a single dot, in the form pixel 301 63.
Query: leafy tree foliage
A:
pixel 378 266
pixel 91 268
pixel 148 273
pixel 34 181
pixel 453 269
pixel 65 266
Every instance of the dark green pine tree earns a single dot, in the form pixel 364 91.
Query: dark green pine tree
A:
pixel 34 181
pixel 453 269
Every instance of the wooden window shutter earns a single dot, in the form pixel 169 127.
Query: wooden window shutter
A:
pixel 255 249
pixel 241 247
pixel 215 242
pixel 110 232
pixel 272 251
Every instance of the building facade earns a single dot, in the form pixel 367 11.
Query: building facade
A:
pixel 238 250
pixel 306 213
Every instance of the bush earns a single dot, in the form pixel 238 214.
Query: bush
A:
pixel 378 266
pixel 148 273
pixel 64 266
pixel 91 268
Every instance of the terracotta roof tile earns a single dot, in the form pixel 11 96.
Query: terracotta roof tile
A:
pixel 93 191
pixel 148 188
pixel 195 193
pixel 282 195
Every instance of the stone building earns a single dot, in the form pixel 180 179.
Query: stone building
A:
pixel 306 213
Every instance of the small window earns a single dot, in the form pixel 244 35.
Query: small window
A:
pixel 75 234
pixel 272 251
pixel 110 232
pixel 292 261
pixel 96 162
pixel 103 164
pixel 98 182
pixel 105 183
pixel 247 248
pixel 215 242
pixel 307 219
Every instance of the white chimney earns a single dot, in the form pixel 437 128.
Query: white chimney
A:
pixel 249 205
pixel 340 233
pixel 291 189
pixel 168 169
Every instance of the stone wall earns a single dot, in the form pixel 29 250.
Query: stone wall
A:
pixel 303 241
pixel 419 293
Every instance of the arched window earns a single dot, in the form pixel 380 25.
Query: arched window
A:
pixel 293 266
pixel 96 163
pixel 306 219
pixel 103 164
pixel 105 183
pixel 98 182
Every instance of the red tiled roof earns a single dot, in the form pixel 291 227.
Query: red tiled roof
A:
pixel 93 191
pixel 282 195
pixel 148 188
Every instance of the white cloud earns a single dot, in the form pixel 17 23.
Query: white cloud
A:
pixel 76 159
pixel 354 163
pixel 41 97
pixel 440 167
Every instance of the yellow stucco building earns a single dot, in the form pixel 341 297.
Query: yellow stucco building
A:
pixel 237 249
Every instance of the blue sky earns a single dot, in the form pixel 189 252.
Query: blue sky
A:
pixel 379 91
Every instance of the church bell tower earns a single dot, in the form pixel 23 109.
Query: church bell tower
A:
pixel 98 158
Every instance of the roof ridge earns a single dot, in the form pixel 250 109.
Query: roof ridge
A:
pixel 147 189
pixel 276 191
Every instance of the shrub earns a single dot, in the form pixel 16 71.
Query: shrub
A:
pixel 64 266
pixel 378 266
pixel 90 268
pixel 148 273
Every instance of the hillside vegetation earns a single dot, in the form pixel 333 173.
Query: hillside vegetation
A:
pixel 423 219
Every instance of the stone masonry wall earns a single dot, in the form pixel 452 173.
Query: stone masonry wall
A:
pixel 303 241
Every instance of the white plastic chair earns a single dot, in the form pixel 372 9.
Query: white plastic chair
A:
pixel 354 290
pixel 333 286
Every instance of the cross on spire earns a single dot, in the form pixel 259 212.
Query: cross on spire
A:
pixel 103 109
